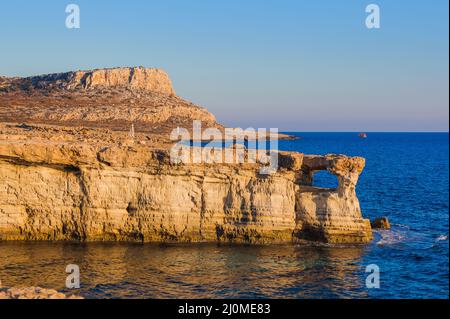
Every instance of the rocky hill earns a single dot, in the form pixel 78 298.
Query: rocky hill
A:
pixel 135 78
pixel 108 98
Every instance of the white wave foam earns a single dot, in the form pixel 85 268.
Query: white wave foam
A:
pixel 389 237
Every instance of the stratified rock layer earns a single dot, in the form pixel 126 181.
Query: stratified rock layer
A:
pixel 33 293
pixel 72 190
pixel 107 98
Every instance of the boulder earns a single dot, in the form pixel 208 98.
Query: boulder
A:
pixel 381 223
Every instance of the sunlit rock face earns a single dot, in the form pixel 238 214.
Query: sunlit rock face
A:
pixel 104 98
pixel 33 293
pixel 332 215
pixel 70 170
pixel 89 192
pixel 133 78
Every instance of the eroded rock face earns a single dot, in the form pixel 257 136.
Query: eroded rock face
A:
pixel 69 170
pixel 332 215
pixel 92 192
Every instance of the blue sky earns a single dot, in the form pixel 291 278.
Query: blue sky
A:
pixel 296 65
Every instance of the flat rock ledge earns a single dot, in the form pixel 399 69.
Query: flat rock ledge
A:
pixel 34 293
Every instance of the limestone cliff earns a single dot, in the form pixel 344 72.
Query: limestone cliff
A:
pixel 33 293
pixel 88 182
pixel 135 78
pixel 69 190
pixel 108 98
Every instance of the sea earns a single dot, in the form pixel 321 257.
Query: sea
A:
pixel 406 178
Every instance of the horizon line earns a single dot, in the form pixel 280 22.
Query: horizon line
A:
pixel 356 132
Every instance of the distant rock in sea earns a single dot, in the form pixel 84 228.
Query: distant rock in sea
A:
pixel 381 223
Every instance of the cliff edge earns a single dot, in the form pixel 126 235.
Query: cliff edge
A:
pixel 105 98
pixel 70 170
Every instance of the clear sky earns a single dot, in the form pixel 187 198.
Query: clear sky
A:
pixel 297 65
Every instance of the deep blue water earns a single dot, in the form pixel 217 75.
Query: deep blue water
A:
pixel 406 179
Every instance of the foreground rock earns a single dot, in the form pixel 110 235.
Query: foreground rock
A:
pixel 64 181
pixel 33 293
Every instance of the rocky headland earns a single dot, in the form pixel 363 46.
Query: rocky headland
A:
pixel 71 170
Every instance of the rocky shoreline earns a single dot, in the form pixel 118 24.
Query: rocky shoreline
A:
pixel 75 179
pixel 33 293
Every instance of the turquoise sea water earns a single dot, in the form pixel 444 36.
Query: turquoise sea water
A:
pixel 406 178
